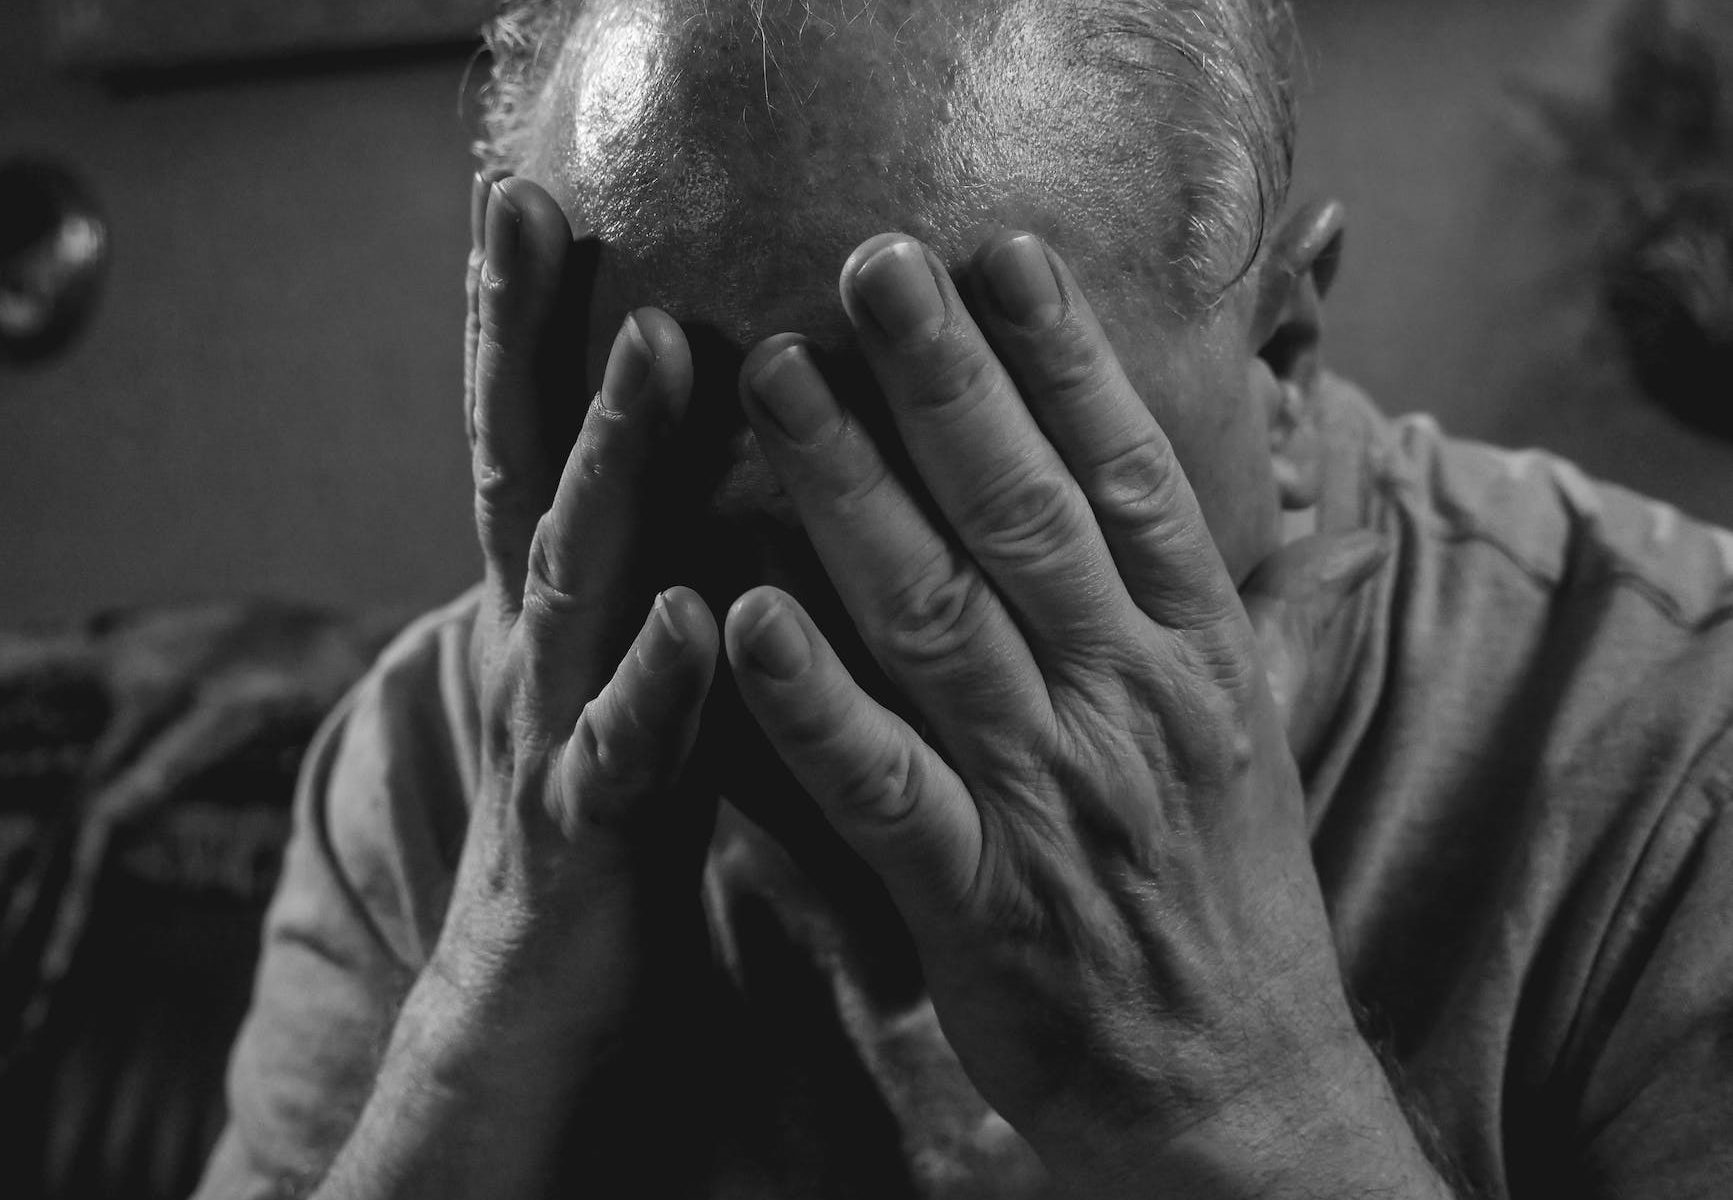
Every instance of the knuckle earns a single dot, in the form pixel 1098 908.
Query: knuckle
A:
pixel 503 504
pixel 1223 751
pixel 1135 485
pixel 1224 651
pixel 1209 725
pixel 1024 517
pixel 1070 371
pixel 548 594
pixel 879 786
pixel 870 774
pixel 613 751
pixel 936 616
pixel 498 331
pixel 495 485
pixel 956 383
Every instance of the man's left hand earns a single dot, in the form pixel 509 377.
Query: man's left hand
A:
pixel 1101 853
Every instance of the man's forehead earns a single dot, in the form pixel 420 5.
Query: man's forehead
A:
pixel 730 153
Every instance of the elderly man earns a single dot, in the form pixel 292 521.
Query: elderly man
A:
pixel 1147 771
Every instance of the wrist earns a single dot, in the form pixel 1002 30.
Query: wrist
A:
pixel 494 1072
pixel 451 1114
pixel 572 986
pixel 524 952
pixel 1337 1129
pixel 472 1035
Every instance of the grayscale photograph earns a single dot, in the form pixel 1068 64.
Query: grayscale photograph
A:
pixel 866 599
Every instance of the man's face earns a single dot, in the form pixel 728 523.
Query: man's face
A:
pixel 730 156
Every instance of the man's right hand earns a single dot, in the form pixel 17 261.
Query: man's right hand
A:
pixel 585 728
pixel 575 907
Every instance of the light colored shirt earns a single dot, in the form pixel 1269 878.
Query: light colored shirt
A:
pixel 1520 820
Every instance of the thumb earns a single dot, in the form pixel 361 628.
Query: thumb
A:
pixel 1293 597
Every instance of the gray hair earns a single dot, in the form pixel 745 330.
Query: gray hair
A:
pixel 1223 68
pixel 522 40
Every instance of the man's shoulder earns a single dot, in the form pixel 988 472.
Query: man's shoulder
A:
pixel 1560 641
pixel 1542 632
pixel 386 785
pixel 1552 523
pixel 1530 771
pixel 415 709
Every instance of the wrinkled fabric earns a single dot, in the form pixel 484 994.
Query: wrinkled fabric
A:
pixel 1519 818
pixel 148 760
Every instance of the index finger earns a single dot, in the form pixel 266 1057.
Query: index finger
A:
pixel 989 468
pixel 526 240
pixel 1067 371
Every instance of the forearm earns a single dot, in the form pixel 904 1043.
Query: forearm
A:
pixel 465 1104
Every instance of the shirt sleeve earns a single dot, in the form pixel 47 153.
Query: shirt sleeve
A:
pixel 1657 1113
pixel 379 813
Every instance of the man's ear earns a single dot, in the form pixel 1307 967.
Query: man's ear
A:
pixel 1288 333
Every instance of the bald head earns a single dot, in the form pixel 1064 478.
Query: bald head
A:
pixel 756 141
pixel 730 154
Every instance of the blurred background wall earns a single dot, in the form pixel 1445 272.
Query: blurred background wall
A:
pixel 1469 287
pixel 267 401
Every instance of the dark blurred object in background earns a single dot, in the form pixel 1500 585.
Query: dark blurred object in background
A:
pixel 1656 140
pixel 147 764
pixel 53 255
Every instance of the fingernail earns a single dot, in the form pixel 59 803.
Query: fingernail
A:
pixel 629 366
pixel 794 394
pixel 897 286
pixel 1021 283
pixel 478 193
pixel 502 232
pixel 776 646
pixel 665 643
pixel 478 210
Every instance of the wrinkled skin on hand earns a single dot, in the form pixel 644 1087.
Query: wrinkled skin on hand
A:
pixel 1100 848
pixel 574 918
pixel 585 728
pixel 1096 843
